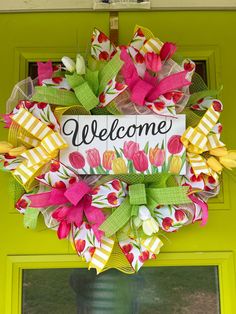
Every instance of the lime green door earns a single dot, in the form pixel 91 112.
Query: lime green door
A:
pixel 207 37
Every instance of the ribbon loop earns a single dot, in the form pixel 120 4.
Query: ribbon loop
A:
pixel 137 194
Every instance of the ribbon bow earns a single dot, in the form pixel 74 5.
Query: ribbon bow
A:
pixel 74 202
pixel 86 88
pixel 150 195
pixel 46 145
pixel 148 88
pixel 199 139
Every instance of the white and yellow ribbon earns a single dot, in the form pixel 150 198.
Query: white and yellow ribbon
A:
pixel 152 244
pixel 199 139
pixel 45 141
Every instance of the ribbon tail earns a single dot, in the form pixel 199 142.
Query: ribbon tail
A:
pixel 54 197
pixel 203 206
pixel 101 255
pixel 168 84
pixel 95 217
pixel 152 244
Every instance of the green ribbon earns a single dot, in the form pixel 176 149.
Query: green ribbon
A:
pixel 31 217
pixel 143 194
pixel 86 88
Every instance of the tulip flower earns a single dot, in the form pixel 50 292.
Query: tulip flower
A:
pixel 175 164
pixel 156 156
pixel 153 62
pixel 229 160
pixel 107 159
pixel 119 166
pixel 149 224
pixel 80 245
pixel 129 149
pixel 214 164
pixel 17 151
pixel 80 65
pixel 5 147
pixel 69 64
pixel 167 51
pixel 93 158
pixel 77 160
pixel 63 229
pixel 174 144
pixel 140 161
pixel 219 152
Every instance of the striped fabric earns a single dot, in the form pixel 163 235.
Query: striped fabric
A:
pixel 45 141
pixel 153 244
pixel 152 45
pixel 102 254
pixel 198 163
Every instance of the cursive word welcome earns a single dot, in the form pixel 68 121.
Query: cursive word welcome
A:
pixel 90 131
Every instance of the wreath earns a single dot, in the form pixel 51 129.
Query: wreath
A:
pixel 117 214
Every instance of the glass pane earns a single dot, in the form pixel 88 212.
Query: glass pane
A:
pixel 159 290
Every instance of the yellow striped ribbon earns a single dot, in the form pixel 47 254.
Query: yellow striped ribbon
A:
pixel 198 140
pixel 152 244
pixel 46 145
pixel 102 254
pixel 152 45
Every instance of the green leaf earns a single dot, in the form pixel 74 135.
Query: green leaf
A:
pixel 146 147
pixel 31 217
pixel 118 155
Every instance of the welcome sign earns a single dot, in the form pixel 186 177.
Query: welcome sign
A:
pixel 123 144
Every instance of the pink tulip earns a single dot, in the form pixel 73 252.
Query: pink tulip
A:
pixel 153 61
pixel 174 144
pixel 63 229
pixel 167 51
pixel 130 148
pixel 140 161
pixel 157 156
pixel 77 160
pixel 93 158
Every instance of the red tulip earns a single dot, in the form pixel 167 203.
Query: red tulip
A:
pixel 179 215
pixel 167 222
pixel 157 156
pixel 63 229
pixel 59 185
pixel 167 51
pixel 139 58
pixel 92 250
pixel 21 204
pixel 93 158
pixel 174 144
pixel 112 198
pixel 144 256
pixel 102 38
pixel 107 158
pixel 130 148
pixel 60 213
pixel 153 61
pixel 80 245
pixel 55 166
pixel 140 161
pixel 130 257
pixel 77 160
pixel 116 184
pixel 103 56
pixel 217 105
pixel 127 248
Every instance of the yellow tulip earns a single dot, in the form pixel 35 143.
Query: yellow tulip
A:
pixel 229 161
pixel 219 152
pixel 5 147
pixel 214 164
pixel 17 151
pixel 119 166
pixel 175 164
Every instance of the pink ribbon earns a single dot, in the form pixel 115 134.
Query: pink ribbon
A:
pixel 203 206
pixel 149 88
pixel 74 202
pixel 45 71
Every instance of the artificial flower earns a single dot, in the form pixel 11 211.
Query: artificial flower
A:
pixel 80 65
pixel 149 224
pixel 107 159
pixel 219 152
pixel 5 147
pixel 214 164
pixel 167 51
pixel 17 151
pixel 140 161
pixel 68 63
pixel 119 166
pixel 77 160
pixel 229 160
pixel 93 158
pixel 175 164
pixel 156 156
pixel 153 62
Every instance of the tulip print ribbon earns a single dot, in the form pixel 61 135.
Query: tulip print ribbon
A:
pixel 200 139
pixel 46 145
pixel 143 194
pixel 74 202
pixel 86 88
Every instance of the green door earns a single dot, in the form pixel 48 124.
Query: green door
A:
pixel 193 253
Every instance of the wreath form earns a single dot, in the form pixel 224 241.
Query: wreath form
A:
pixel 115 220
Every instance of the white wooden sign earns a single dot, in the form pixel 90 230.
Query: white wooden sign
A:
pixel 123 144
